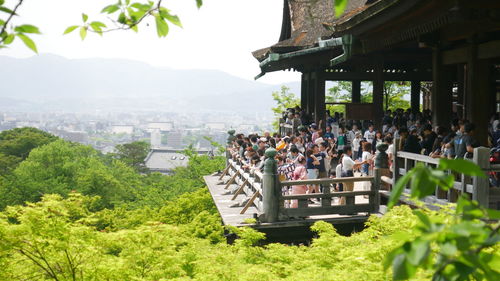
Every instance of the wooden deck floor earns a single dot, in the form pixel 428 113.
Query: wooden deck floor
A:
pixel 231 215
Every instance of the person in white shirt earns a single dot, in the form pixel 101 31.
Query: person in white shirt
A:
pixel 348 166
pixel 370 134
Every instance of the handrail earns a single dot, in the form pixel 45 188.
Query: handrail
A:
pixel 418 157
pixel 327 181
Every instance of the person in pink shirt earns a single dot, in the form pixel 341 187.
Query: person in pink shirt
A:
pixel 300 173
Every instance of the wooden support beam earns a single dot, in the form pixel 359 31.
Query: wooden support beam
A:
pixel 319 100
pixel 370 76
pixel 240 189
pixel 356 91
pixel 310 93
pixel 480 92
pixel 415 96
pixel 224 172
pixel 378 95
pixel 441 97
pixel 231 180
pixel 303 91
pixel 249 203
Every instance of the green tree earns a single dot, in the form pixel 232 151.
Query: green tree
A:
pixel 284 99
pixel 16 145
pixel 133 154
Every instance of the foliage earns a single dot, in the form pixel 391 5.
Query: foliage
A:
pixel 16 145
pixel 133 154
pixel 462 247
pixel 394 94
pixel 61 167
pixel 284 99
pixel 60 238
pixel 123 15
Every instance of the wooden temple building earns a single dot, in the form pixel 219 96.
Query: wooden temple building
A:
pixel 455 44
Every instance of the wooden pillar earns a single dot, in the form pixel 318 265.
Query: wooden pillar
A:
pixel 319 101
pixel 442 95
pixel 311 83
pixel 356 91
pixel 479 91
pixel 271 188
pixel 415 96
pixel 481 185
pixel 461 90
pixel 303 91
pixel 378 95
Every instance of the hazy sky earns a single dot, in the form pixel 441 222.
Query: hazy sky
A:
pixel 220 35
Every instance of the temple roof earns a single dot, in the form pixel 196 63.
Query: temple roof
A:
pixel 304 23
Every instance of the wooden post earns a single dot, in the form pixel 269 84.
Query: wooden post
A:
pixel 319 101
pixel 441 97
pixel 378 95
pixel 270 187
pixel 395 161
pixel 356 91
pixel 415 96
pixel 303 91
pixel 376 188
pixel 481 185
pixel 311 83
pixel 479 92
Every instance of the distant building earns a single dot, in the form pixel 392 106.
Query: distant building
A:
pixel 122 129
pixel 174 139
pixel 162 126
pixel 155 138
pixel 215 126
pixel 166 160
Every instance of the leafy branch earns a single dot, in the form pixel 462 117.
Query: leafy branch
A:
pixel 20 31
pixel 455 250
pixel 128 16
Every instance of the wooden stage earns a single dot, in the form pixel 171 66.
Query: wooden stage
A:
pixel 293 229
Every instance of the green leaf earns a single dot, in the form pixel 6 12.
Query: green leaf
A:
pixel 421 184
pixel 420 250
pixel 398 189
pixel 461 166
pixel 161 26
pixel 199 3
pixel 9 39
pixel 97 26
pixel 83 32
pixel 27 28
pixel 339 6
pixel 171 18
pixel 7 10
pixel 134 28
pixel 122 18
pixel 70 29
pixel 127 2
pixel 111 9
pixel 84 17
pixel 424 219
pixel 401 268
pixel 2 2
pixel 28 42
pixel 448 249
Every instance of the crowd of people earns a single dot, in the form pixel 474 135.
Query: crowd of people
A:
pixel 340 147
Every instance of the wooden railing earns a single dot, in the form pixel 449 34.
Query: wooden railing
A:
pixel 305 209
pixel 286 129
pixel 477 187
pixel 264 191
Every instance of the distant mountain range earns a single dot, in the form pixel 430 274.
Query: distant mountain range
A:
pixel 52 83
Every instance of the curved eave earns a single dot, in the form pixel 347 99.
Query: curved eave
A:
pixel 297 59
